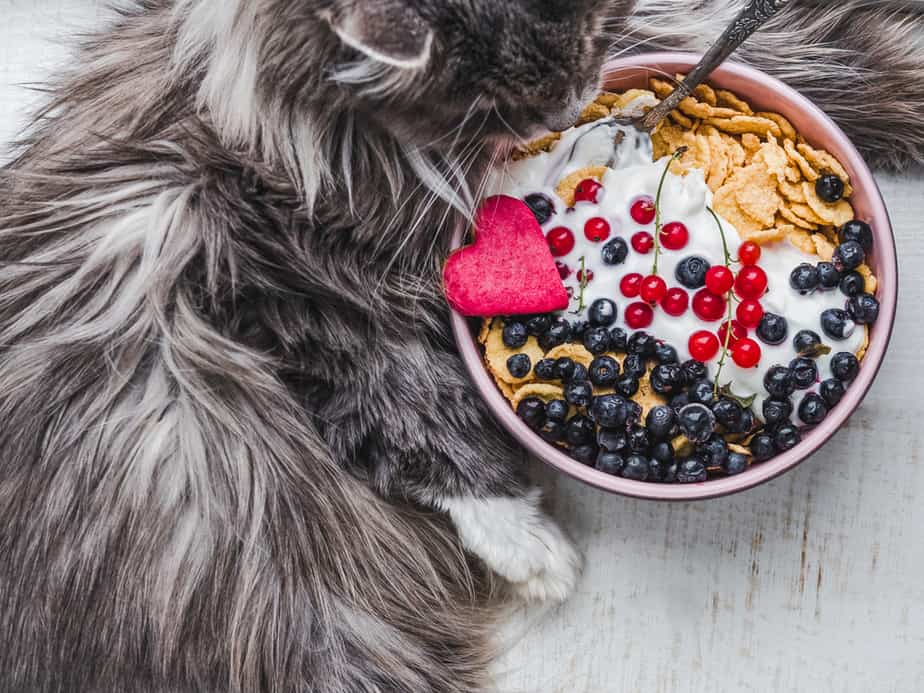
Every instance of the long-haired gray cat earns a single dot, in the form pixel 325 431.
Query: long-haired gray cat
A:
pixel 231 418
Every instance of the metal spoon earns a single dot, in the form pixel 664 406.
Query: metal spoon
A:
pixel 754 15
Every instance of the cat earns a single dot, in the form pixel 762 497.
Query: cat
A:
pixel 238 451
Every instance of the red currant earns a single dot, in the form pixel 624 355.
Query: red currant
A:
pixel 719 280
pixel 707 306
pixel 587 190
pixel 563 270
pixel 675 302
pixel 561 241
pixel 597 229
pixel 638 315
pixel 653 288
pixel 751 282
pixel 749 313
pixel 643 242
pixel 631 285
pixel 674 235
pixel 703 345
pixel 738 332
pixel 746 353
pixel 589 274
pixel 643 210
pixel 749 253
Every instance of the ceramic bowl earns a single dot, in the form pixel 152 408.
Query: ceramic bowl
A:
pixel 764 93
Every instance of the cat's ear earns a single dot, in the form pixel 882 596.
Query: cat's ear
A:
pixel 387 31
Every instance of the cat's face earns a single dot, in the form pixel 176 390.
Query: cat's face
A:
pixel 428 69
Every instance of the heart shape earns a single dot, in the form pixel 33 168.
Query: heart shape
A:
pixel 508 270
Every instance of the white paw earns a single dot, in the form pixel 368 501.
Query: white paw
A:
pixel 519 542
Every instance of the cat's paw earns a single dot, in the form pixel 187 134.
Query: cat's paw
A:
pixel 518 542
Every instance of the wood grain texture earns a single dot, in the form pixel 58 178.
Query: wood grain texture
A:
pixel 813 582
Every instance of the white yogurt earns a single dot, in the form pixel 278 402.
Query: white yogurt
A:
pixel 685 199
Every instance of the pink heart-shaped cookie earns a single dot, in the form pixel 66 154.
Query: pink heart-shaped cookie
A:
pixel 508 270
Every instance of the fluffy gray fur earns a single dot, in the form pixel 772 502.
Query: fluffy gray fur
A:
pixel 227 386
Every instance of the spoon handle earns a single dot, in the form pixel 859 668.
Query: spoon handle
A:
pixel 751 18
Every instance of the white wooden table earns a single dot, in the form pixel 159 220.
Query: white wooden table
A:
pixel 813 582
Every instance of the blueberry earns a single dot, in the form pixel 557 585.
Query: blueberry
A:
pixel 763 447
pixel 596 340
pixel 602 313
pixel 657 470
pixel 728 413
pixel 556 335
pixel 610 411
pixel 697 422
pixel 661 422
pixel 564 367
pixel 691 471
pixel 804 278
pixel 636 468
pixel 626 385
pixel 538 325
pixel 579 393
pixel 832 390
pixel 557 410
pixel 552 431
pixel 691 272
pixel 642 343
pixel 635 365
pixel 670 476
pixel 806 342
pixel 612 441
pixel 532 411
pixel 786 437
pixel 514 335
pixel 715 451
pixel 779 382
pixel 776 410
pixel 639 439
pixel 665 353
pixel 519 365
pixel 858 231
pixel 663 452
pixel 580 431
pixel 864 309
pixel 633 412
pixel 702 392
pixel 610 463
pixel 694 370
pixel 747 423
pixel 813 409
pixel 667 379
pixel 579 372
pixel 844 366
pixel 828 276
pixel 848 256
pixel 678 402
pixel 837 324
pixel 804 372
pixel 541 206
pixel 772 329
pixel 618 339
pixel 615 252
pixel 545 369
pixel 736 463
pixel 585 454
pixel 829 188
pixel 852 284
pixel 603 371
pixel 579 329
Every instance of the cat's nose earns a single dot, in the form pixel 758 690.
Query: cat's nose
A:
pixel 564 119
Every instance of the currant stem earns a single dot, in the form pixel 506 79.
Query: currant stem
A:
pixel 730 299
pixel 657 234
pixel 583 286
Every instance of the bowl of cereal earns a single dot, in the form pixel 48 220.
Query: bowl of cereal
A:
pixel 729 286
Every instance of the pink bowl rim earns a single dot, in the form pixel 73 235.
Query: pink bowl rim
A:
pixel 887 270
